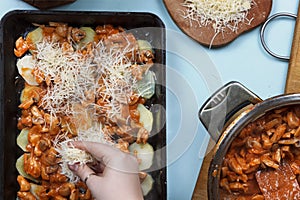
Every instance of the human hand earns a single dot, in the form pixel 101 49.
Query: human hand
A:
pixel 115 176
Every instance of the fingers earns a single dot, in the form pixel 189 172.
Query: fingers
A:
pixel 101 152
pixel 110 156
pixel 85 173
pixel 98 167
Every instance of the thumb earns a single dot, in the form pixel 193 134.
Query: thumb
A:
pixel 84 172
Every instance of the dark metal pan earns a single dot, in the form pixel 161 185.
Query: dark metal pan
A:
pixel 16 23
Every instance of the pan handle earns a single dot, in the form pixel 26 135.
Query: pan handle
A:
pixel 262 34
pixel 223 105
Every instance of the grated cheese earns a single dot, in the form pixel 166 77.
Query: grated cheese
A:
pixel 71 155
pixel 218 13
pixel 73 85
pixel 70 73
pixel 75 78
pixel 117 78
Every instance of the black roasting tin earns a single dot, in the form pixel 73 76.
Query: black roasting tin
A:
pixel 16 23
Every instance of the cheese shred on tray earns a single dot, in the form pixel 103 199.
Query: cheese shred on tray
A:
pixel 80 84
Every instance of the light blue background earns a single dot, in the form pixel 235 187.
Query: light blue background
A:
pixel 194 72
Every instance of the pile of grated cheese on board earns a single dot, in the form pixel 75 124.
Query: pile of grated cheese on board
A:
pixel 219 14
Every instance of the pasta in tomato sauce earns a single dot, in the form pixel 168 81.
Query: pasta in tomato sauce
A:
pixel 263 160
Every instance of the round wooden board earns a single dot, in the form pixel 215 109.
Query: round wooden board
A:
pixel 204 35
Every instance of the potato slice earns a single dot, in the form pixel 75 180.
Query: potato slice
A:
pixel 89 37
pixel 20 169
pixel 35 36
pixel 30 92
pixel 147 184
pixel 36 190
pixel 25 66
pixel 146 86
pixel 146 117
pixel 144 153
pixel 22 139
pixel 144 45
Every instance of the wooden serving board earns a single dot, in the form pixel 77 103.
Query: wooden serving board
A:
pixel 204 35
pixel 293 75
pixel 200 190
pixel 45 4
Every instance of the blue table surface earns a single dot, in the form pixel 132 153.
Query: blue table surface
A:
pixel 194 72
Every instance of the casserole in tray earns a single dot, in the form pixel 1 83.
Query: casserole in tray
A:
pixel 144 26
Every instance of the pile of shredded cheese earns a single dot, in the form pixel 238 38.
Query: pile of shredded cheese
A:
pixel 218 13
pixel 119 84
pixel 75 81
pixel 75 78
pixel 71 155
pixel 71 75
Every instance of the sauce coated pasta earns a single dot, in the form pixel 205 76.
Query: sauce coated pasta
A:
pixel 263 161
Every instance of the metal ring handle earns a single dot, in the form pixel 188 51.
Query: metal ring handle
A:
pixel 262 34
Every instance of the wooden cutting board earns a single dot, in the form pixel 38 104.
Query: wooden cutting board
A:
pixel 45 4
pixel 205 35
pixel 292 86
pixel 200 191
pixel 293 75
